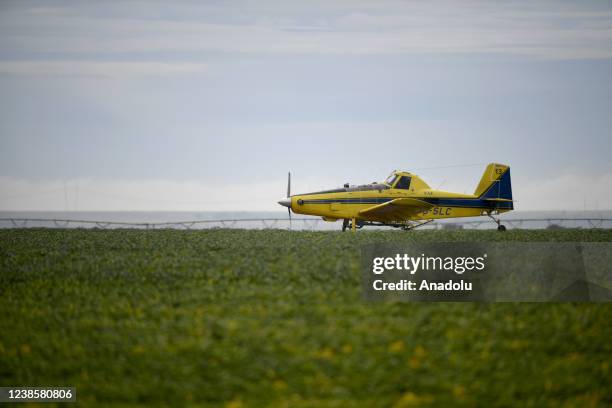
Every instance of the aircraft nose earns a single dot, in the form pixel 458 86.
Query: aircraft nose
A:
pixel 285 202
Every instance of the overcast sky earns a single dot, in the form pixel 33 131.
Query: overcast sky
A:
pixel 142 105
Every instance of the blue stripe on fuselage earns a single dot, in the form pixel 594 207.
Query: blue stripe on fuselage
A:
pixel 442 202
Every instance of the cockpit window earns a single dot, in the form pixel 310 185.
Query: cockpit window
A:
pixel 392 178
pixel 404 183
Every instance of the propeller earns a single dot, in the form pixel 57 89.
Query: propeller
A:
pixel 287 201
pixel 288 184
pixel 289 197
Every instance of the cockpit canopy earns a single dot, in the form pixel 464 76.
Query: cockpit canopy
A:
pixel 399 180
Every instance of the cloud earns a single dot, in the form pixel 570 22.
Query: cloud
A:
pixel 545 30
pixel 136 195
pixel 113 69
pixel 565 192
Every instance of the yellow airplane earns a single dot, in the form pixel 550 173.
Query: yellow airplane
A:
pixel 405 201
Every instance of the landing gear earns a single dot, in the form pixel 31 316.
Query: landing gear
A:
pixel 352 223
pixel 500 227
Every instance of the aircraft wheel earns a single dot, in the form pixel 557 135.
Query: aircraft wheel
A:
pixel 501 228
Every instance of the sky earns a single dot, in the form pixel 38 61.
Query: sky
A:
pixel 196 106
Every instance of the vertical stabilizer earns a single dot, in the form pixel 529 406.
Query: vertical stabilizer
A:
pixel 495 183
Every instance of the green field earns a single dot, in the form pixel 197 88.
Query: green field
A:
pixel 275 318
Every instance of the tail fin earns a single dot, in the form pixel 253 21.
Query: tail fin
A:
pixel 495 185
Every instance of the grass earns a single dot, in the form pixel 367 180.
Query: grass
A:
pixel 275 318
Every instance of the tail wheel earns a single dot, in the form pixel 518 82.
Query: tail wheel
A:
pixel 501 228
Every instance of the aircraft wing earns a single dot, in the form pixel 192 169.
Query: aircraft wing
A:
pixel 396 210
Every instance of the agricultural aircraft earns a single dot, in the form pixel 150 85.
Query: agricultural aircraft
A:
pixel 405 201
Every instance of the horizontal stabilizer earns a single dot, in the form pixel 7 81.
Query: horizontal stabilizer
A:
pixel 499 199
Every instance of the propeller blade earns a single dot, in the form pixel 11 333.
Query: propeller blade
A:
pixel 288 196
pixel 289 185
pixel 289 211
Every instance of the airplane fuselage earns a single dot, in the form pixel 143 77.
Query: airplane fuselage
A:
pixel 346 205
pixel 405 198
